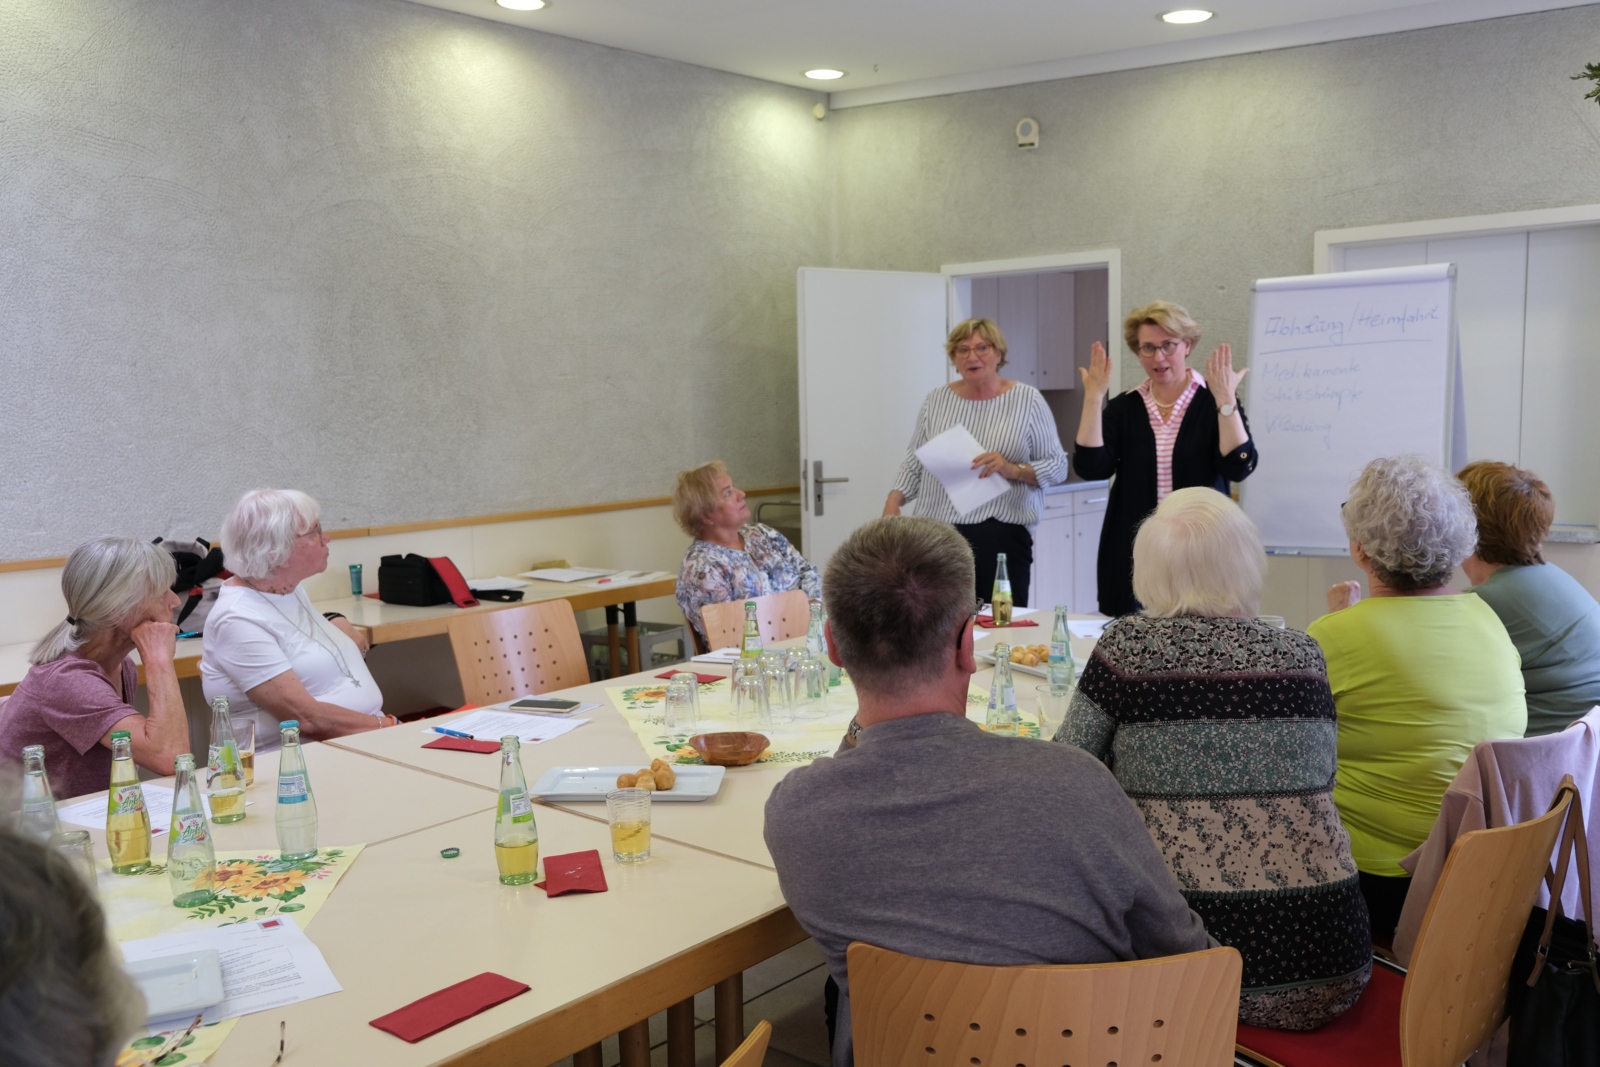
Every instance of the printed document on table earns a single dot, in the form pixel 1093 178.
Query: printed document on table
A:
pixel 489 724
pixel 1091 628
pixel 266 964
pixel 91 811
pixel 721 655
pixel 948 458
pixel 566 574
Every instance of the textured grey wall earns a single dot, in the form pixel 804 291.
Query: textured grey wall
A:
pixel 418 264
pixel 1211 174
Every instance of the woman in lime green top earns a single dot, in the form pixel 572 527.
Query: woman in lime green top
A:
pixel 1419 674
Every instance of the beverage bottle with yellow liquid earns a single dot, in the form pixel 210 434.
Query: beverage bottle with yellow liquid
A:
pixel 297 808
pixel 1003 717
pixel 191 860
pixel 750 646
pixel 37 819
pixel 1061 666
pixel 1000 599
pixel 127 821
pixel 224 775
pixel 516 835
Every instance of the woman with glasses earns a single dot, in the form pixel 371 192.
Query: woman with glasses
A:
pixel 1172 431
pixel 266 648
pixel 1017 432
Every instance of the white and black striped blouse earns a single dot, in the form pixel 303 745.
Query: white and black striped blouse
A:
pixel 1018 424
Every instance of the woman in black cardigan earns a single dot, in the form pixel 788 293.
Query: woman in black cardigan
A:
pixel 1204 438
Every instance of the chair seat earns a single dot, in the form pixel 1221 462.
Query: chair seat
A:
pixel 1368 1034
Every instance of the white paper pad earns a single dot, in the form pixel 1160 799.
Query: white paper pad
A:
pixel 631 578
pixel 157 801
pixel 495 583
pixel 266 964
pixel 566 574
pixel 724 656
pixel 1091 628
pixel 948 458
pixel 490 724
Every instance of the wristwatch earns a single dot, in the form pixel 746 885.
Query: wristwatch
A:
pixel 1227 410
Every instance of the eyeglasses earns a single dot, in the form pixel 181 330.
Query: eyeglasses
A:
pixel 315 533
pixel 977 610
pixel 1166 348
pixel 980 350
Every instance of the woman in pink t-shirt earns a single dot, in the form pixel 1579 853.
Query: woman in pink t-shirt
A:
pixel 80 688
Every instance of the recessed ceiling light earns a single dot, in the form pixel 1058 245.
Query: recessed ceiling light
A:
pixel 1186 17
pixel 824 74
pixel 521 5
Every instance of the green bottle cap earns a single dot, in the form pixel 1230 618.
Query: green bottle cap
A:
pixel 449 853
pixel 120 733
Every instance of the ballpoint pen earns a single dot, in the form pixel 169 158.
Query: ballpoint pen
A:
pixel 452 733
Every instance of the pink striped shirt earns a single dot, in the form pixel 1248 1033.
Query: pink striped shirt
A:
pixel 1167 432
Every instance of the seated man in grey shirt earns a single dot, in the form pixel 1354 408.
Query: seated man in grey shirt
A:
pixel 936 839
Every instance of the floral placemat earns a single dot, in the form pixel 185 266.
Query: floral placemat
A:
pixel 250 886
pixel 800 741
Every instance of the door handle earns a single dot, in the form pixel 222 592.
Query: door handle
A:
pixel 817 482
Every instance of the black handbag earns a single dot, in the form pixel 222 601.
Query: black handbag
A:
pixel 1554 998
pixel 410 579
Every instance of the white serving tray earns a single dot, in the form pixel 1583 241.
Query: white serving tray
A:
pixel 185 984
pixel 593 783
pixel 1022 668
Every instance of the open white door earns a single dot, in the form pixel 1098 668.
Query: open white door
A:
pixel 871 347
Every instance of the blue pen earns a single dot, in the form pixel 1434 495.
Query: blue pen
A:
pixel 184 634
pixel 452 733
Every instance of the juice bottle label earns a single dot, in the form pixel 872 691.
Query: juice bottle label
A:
pixel 191 829
pixel 292 789
pixel 520 806
pixel 1058 651
pixel 126 800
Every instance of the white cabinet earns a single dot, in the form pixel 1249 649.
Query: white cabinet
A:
pixel 1066 544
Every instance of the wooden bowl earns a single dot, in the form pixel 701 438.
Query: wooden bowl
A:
pixel 731 749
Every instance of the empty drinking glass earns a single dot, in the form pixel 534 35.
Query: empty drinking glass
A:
pixel 1052 710
pixel 692 680
pixel 78 850
pixel 811 689
pixel 780 697
pixel 750 699
pixel 678 707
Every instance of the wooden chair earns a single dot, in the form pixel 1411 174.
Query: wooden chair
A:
pixel 1454 996
pixel 501 655
pixel 779 615
pixel 754 1049
pixel 1178 1011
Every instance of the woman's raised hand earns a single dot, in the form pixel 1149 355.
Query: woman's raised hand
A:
pixel 1342 594
pixel 1097 375
pixel 156 640
pixel 1221 378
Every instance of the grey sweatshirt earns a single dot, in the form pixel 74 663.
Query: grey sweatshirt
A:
pixel 938 840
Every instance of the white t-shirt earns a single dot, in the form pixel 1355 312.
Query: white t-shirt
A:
pixel 252 637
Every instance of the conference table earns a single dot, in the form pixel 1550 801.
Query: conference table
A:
pixel 404 921
pixel 384 623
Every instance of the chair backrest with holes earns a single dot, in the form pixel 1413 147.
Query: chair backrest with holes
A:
pixel 754 1049
pixel 1178 1011
pixel 1455 991
pixel 779 615
pixel 508 653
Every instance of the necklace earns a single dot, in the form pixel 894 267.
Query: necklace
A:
pixel 331 647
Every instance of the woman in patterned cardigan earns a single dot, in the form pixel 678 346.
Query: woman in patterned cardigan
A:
pixel 1221 729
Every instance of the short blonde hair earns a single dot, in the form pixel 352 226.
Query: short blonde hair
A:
pixel 987 329
pixel 694 498
pixel 1168 316
pixel 1198 554
pixel 259 533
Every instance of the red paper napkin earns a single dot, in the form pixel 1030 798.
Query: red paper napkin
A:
pixel 442 1010
pixel 464 744
pixel 987 622
pixel 575 872
pixel 704 679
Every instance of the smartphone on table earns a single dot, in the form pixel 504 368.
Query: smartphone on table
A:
pixel 545 705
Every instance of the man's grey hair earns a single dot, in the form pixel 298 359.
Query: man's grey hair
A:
pixel 897 591
pixel 103 583
pixel 1413 520
pixel 63 998
pixel 259 533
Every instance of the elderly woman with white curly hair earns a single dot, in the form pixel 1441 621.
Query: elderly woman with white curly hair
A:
pixel 266 648
pixel 1420 674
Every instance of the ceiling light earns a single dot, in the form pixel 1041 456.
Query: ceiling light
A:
pixel 521 5
pixel 824 74
pixel 1186 17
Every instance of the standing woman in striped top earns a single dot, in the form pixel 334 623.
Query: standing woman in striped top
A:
pixel 1015 428
pixel 1174 430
